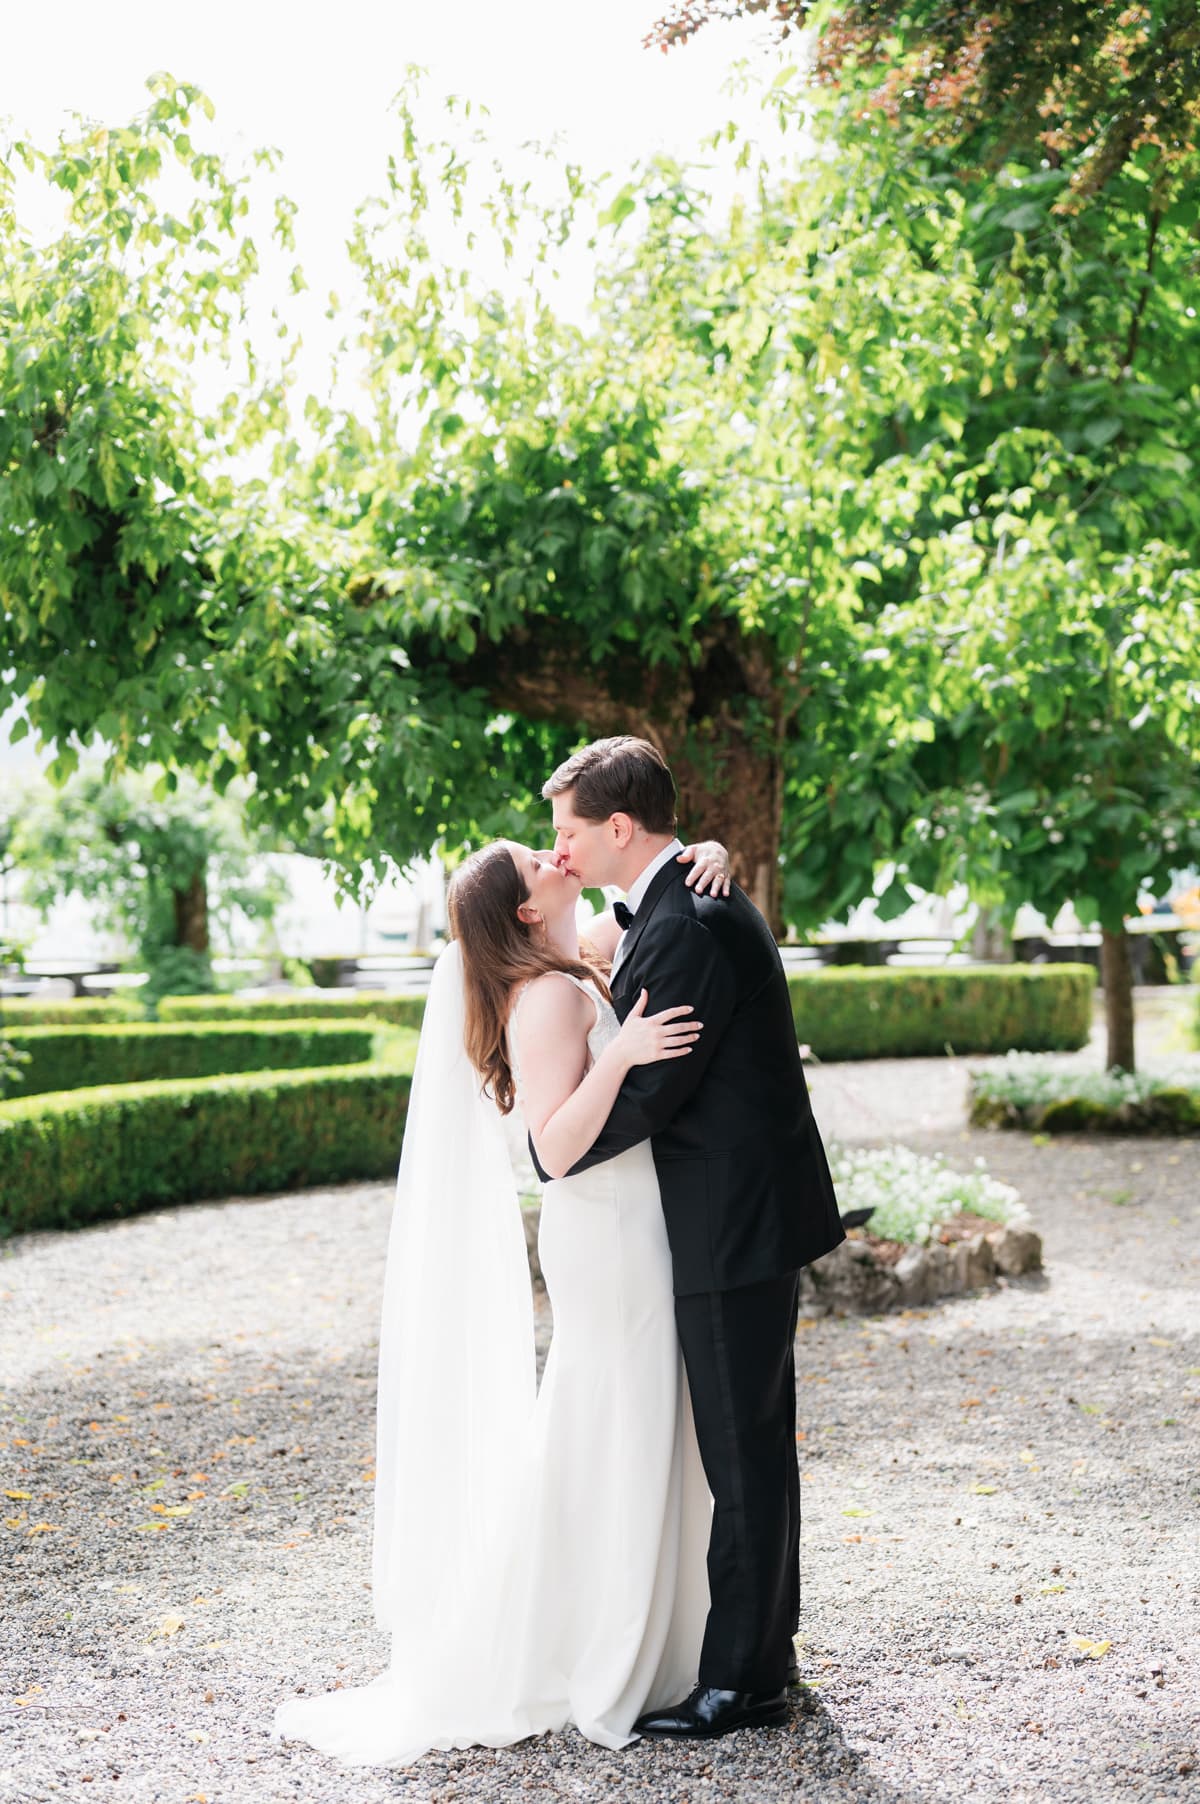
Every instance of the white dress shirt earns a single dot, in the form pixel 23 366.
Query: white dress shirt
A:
pixel 638 888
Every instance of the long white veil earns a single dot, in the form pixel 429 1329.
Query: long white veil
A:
pixel 457 1378
pixel 457 1386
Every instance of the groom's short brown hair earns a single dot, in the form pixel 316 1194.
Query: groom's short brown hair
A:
pixel 618 776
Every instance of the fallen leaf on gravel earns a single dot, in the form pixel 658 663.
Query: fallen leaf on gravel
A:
pixel 28 1696
pixel 1156 1340
pixel 983 1490
pixel 1048 1589
pixel 144 1528
pixel 857 1512
pixel 170 1625
pixel 177 1509
pixel 961 1711
pixel 14 1521
pixel 1094 1650
pixel 44 1528
pixel 19 1496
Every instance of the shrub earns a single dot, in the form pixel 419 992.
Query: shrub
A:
pixel 1025 1093
pixel 845 1013
pixel 70 1058
pixel 91 1155
pixel 910 1194
pixel 865 1013
pixel 27 1011
pixel 361 1005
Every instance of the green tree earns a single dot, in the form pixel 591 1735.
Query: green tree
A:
pixel 164 868
pixel 1098 84
pixel 672 520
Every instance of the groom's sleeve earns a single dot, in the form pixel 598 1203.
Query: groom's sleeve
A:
pixel 677 961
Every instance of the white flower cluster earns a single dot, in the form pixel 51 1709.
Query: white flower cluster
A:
pixel 911 1194
pixel 1027 1080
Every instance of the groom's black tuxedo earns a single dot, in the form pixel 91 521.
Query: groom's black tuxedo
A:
pixel 745 1184
pixel 748 1200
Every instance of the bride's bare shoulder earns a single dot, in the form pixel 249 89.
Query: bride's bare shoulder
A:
pixel 552 1002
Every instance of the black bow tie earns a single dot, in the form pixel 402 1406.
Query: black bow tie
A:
pixel 625 916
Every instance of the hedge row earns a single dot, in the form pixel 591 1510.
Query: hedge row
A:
pixel 71 1058
pixel 92 1155
pixel 27 1011
pixel 861 1012
pixel 848 1012
pixel 360 1005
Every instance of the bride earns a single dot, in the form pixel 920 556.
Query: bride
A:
pixel 539 1555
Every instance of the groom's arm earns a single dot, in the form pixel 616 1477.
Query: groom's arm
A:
pixel 678 961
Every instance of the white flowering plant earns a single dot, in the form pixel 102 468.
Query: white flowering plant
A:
pixel 1027 1081
pixel 912 1194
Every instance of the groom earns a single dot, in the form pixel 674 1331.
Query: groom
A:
pixel 747 1197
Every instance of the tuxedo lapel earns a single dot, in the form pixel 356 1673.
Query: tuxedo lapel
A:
pixel 659 886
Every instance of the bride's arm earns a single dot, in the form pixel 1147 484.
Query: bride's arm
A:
pixel 565 1108
pixel 711 867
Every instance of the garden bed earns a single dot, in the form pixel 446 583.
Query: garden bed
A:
pixel 1025 1093
pixel 983 1238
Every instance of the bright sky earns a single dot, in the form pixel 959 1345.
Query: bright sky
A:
pixel 316 84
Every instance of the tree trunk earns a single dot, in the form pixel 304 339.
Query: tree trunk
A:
pixel 1116 974
pixel 990 942
pixel 191 914
pixel 729 775
pixel 745 810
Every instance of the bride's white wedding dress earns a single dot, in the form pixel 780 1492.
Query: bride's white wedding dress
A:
pixel 588 1602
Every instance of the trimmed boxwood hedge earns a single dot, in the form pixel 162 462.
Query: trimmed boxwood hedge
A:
pixel 27 1011
pixel 360 1005
pixel 71 1058
pixel 862 1012
pixel 91 1155
pixel 847 1012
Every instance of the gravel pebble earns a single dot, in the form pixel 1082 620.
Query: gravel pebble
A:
pixel 987 1484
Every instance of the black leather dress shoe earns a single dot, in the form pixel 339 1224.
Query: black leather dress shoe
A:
pixel 709 1712
pixel 793 1671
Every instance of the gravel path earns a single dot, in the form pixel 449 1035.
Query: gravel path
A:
pixel 188 1398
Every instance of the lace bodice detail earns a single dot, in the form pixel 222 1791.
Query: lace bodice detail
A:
pixel 602 1033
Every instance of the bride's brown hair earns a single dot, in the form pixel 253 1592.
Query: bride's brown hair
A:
pixel 499 952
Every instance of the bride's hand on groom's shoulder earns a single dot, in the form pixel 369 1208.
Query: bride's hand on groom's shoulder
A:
pixel 710 870
pixel 645 1039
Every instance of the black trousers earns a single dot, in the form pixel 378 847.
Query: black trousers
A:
pixel 739 1350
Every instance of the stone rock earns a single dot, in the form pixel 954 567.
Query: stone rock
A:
pixel 916 1277
pixel 974 1262
pixel 1016 1250
pixel 943 1278
pixel 850 1279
